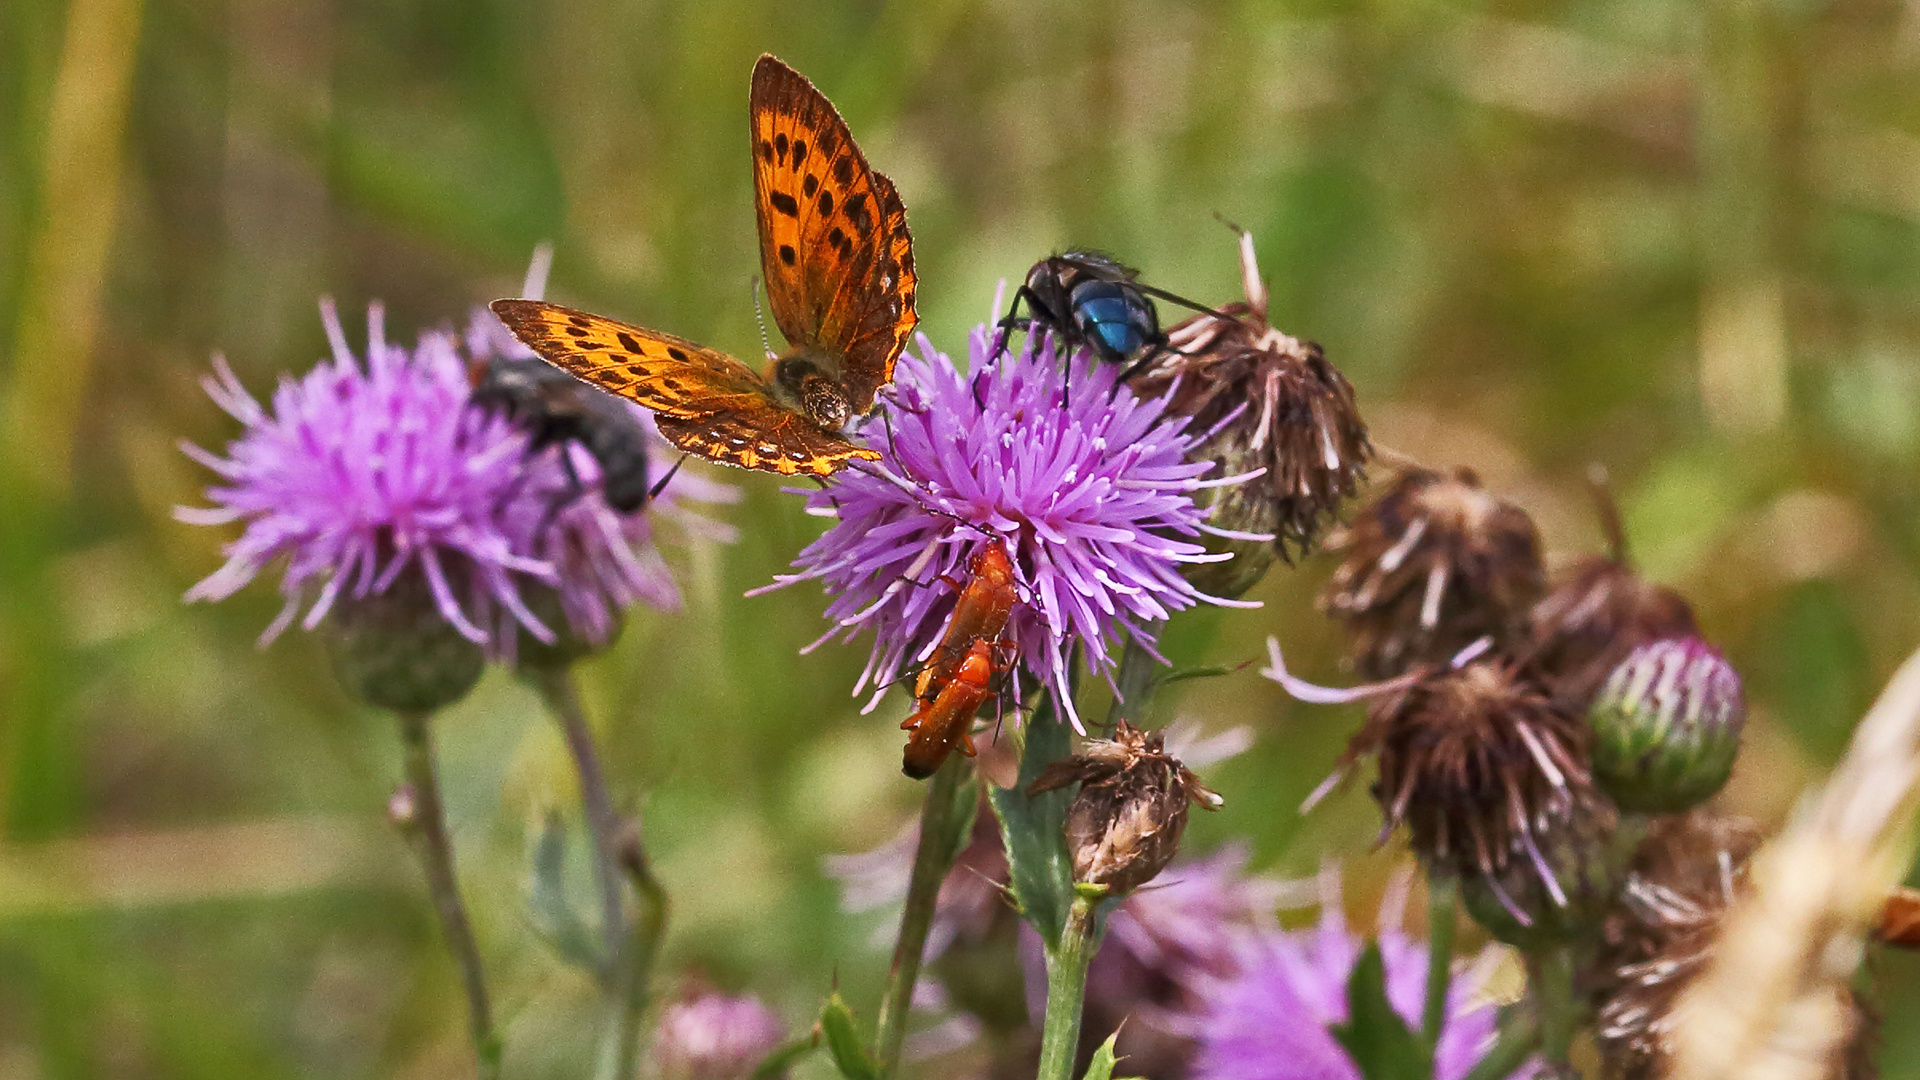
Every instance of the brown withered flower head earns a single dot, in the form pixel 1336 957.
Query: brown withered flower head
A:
pixel 1432 565
pixel 1296 419
pixel 1124 825
pixel 1598 611
pixel 1474 760
pixel 1684 877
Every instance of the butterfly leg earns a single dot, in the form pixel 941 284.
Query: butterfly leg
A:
pixel 657 488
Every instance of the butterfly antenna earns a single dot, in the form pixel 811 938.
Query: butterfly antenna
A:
pixel 760 317
pixel 657 488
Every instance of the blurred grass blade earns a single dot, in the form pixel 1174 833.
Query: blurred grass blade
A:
pixel 777 1064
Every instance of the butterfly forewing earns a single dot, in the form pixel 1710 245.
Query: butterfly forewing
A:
pixel 833 235
pixel 670 375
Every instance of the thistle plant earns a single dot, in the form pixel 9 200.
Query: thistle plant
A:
pixel 425 537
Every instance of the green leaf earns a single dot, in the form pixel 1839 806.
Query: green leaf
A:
pixel 1104 1059
pixel 777 1064
pixel 1376 1038
pixel 849 1050
pixel 548 910
pixel 1040 870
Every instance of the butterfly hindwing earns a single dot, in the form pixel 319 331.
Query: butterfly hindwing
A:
pixel 770 439
pixel 833 238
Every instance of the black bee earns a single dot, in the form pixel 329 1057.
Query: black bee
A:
pixel 1085 298
pixel 554 409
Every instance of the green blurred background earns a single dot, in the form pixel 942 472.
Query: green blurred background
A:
pixel 1682 240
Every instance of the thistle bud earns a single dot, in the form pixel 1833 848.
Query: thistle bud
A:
pixel 394 649
pixel 1558 887
pixel 1431 566
pixel 1124 825
pixel 1272 402
pixel 1592 619
pixel 1472 760
pixel 1666 726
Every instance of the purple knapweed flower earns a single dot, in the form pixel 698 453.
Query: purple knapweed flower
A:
pixel 1091 492
pixel 715 1037
pixel 1269 1019
pixel 358 473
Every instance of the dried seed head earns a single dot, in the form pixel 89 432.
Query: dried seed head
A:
pixel 1667 726
pixel 1682 879
pixel 1601 611
pixel 1124 825
pixel 1474 760
pixel 1432 565
pixel 1273 402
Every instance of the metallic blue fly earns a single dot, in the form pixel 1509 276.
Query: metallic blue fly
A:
pixel 1091 300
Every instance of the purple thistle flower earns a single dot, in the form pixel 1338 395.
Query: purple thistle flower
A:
pixel 1092 495
pixel 357 474
pixel 1269 1019
pixel 715 1037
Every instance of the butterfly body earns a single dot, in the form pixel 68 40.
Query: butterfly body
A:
pixel 555 410
pixel 838 264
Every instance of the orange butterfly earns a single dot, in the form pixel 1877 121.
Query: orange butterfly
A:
pixel 839 272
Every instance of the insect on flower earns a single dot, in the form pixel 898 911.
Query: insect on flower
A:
pixel 1086 299
pixel 938 726
pixel 838 264
pixel 555 409
pixel 958 678
pixel 980 613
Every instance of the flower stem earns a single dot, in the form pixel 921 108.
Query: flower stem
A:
pixel 436 858
pixel 643 945
pixel 628 950
pixel 1551 983
pixel 1443 903
pixel 557 690
pixel 1067 984
pixel 1519 1037
pixel 932 858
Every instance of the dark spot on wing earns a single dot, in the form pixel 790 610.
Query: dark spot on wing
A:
pixel 677 353
pixel 627 342
pixel 784 203
pixel 786 254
